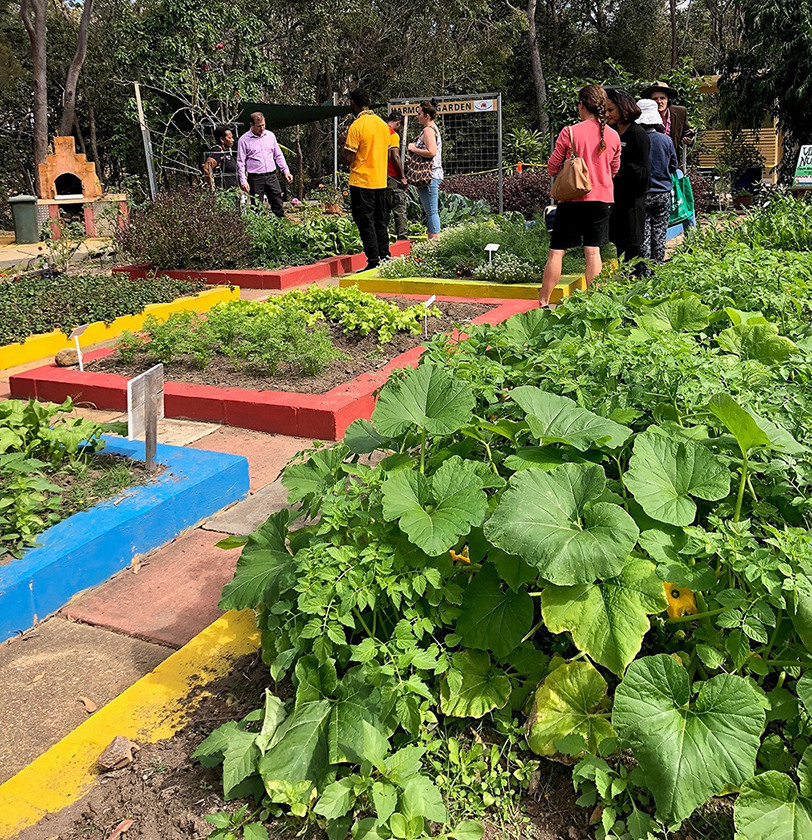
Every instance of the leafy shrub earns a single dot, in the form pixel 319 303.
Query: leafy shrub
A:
pixel 528 193
pixel 461 250
pixel 705 199
pixel 186 229
pixel 452 208
pixel 36 439
pixel 279 242
pixel 36 304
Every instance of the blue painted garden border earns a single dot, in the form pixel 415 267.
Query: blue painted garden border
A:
pixel 88 547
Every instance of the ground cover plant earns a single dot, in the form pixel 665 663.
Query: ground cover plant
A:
pixel 34 304
pixel 45 469
pixel 586 531
pixel 290 330
pixel 460 252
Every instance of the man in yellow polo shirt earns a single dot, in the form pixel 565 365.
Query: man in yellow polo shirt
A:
pixel 366 152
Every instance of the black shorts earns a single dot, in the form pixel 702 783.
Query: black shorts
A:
pixel 580 223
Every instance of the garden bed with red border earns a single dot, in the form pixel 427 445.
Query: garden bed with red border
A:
pixel 260 278
pixel 321 416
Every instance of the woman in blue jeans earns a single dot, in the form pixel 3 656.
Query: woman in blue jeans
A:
pixel 430 145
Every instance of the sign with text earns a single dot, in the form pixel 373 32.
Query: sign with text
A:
pixel 450 106
pixel 803 171
pixel 144 392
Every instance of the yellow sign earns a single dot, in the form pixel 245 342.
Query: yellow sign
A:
pixel 450 106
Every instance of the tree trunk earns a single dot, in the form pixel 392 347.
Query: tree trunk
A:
pixel 69 96
pixel 94 148
pixel 37 29
pixel 673 9
pixel 538 72
pixel 78 132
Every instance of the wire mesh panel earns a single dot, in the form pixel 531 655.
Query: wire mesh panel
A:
pixel 471 131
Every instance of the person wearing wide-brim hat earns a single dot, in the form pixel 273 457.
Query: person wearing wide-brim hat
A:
pixel 674 117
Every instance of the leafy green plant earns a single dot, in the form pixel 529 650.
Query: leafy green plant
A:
pixel 32 304
pixel 35 442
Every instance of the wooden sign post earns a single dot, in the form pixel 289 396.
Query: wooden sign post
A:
pixel 145 407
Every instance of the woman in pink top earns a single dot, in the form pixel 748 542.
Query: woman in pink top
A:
pixel 584 221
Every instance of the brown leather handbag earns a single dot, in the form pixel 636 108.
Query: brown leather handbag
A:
pixel 572 180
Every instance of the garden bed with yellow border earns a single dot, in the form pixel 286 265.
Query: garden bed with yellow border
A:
pixel 49 344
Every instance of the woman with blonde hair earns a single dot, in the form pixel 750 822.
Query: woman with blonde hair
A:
pixel 430 145
pixel 583 221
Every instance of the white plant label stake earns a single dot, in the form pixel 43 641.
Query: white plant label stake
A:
pixel 491 248
pixel 426 306
pixel 145 407
pixel 75 336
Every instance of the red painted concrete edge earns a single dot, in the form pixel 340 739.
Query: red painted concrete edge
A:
pixel 284 278
pixel 322 416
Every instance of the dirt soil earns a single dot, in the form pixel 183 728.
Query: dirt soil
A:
pixel 364 354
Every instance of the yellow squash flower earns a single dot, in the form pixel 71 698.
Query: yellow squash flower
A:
pixel 463 557
pixel 680 601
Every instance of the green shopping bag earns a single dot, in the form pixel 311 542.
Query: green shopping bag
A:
pixel 682 200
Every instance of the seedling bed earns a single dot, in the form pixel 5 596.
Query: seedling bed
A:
pixel 260 278
pixel 364 355
pixel 324 416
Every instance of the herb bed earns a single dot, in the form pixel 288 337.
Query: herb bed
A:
pixel 364 354
pixel 323 416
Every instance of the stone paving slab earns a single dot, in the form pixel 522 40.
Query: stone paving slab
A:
pixel 246 516
pixel 45 672
pixel 266 454
pixel 172 596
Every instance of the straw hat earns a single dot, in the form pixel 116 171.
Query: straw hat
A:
pixel 669 91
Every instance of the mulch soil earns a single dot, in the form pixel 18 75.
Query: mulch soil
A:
pixel 363 355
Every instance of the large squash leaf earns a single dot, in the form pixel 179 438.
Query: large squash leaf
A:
pixel 554 419
pixel 570 701
pixel 472 687
pixel 769 807
pixel 664 474
pixel 435 512
pixel 757 341
pixel 554 521
pixel 426 397
pixel 689 749
pixel 682 313
pixel 607 619
pixel 492 619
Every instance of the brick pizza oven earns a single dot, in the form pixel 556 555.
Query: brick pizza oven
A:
pixel 66 173
pixel 70 187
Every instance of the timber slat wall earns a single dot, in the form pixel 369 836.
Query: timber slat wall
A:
pixel 766 140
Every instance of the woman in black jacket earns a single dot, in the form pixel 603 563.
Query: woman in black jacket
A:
pixel 632 180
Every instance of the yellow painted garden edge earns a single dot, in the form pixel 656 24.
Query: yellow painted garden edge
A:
pixel 42 346
pixel 154 708
pixel 371 282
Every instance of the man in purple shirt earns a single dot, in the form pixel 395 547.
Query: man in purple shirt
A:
pixel 258 159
